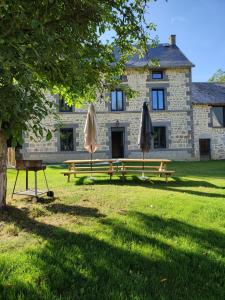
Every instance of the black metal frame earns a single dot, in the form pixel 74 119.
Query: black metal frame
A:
pixel 29 192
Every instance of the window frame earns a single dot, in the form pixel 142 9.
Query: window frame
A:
pixel 61 110
pixel 123 98
pixel 157 72
pixel 164 104
pixel 223 108
pixel 73 139
pixel 166 142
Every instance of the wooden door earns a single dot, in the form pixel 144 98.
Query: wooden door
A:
pixel 204 149
pixel 117 139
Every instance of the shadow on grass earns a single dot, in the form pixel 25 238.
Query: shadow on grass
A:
pixel 131 265
pixel 43 200
pixel 153 183
pixel 75 210
pixel 179 183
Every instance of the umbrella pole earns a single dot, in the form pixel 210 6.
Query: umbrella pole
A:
pixel 91 158
pixel 143 156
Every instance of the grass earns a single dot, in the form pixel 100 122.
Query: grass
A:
pixel 138 240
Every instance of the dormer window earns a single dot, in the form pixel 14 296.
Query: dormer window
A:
pixel 157 75
pixel 64 107
pixel 117 100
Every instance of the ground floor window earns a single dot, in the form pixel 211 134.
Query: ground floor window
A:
pixel 66 139
pixel 159 137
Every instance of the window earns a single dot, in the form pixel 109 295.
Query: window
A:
pixel 66 139
pixel 157 75
pixel 117 100
pixel 218 116
pixel 64 107
pixel 158 102
pixel 159 137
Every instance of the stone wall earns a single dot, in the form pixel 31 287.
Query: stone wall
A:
pixel 203 129
pixel 177 117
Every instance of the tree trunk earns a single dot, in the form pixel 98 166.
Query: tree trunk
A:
pixel 3 168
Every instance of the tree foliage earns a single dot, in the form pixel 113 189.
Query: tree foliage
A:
pixel 56 45
pixel 218 76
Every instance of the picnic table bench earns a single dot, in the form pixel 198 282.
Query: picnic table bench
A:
pixel 121 166
pixel 86 166
pixel 129 165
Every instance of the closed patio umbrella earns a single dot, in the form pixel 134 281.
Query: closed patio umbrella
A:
pixel 91 132
pixel 145 132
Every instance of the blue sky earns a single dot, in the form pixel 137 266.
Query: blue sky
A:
pixel 200 29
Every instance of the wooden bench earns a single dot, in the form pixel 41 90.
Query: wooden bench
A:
pixel 159 169
pixel 93 171
pixel 97 166
pixel 167 173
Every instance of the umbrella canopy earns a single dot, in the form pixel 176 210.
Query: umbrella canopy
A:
pixel 146 130
pixel 91 130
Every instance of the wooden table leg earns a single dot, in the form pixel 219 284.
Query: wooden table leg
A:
pixel 161 167
pixel 166 178
pixel 111 171
pixel 74 169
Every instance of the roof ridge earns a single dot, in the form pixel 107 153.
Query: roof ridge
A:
pixel 209 82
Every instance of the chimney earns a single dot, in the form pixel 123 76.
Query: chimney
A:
pixel 172 39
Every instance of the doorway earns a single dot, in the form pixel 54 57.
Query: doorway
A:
pixel 117 139
pixel 204 149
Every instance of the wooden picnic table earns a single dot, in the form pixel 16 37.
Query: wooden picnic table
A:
pixel 128 165
pixel 90 167
pixel 162 162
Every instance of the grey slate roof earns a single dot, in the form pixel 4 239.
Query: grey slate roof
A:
pixel 208 93
pixel 168 56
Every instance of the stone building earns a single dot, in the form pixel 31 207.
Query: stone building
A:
pixel 208 102
pixel 188 118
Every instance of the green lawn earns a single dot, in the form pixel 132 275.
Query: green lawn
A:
pixel 138 240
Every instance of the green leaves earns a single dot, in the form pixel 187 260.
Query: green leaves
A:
pixel 219 76
pixel 49 135
pixel 57 46
pixel 35 24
